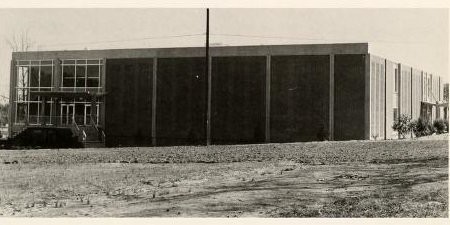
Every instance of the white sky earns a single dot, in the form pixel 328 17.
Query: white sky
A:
pixel 417 37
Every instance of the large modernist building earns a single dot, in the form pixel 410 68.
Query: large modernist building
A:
pixel 247 94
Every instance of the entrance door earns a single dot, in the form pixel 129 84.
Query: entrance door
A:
pixel 67 113
pixel 79 113
pixel 88 116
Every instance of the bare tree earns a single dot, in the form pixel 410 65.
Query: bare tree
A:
pixel 21 42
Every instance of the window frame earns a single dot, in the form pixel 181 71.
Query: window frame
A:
pixel 26 100
pixel 84 63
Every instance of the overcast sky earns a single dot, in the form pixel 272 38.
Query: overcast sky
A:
pixel 417 37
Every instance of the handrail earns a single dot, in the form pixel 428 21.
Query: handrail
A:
pixel 103 136
pixel 84 136
pixel 79 131
pixel 94 124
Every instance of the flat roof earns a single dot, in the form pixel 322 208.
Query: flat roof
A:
pixel 257 50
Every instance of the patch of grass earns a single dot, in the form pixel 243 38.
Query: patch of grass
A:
pixel 86 179
pixel 375 205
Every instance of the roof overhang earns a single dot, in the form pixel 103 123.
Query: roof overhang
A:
pixel 69 94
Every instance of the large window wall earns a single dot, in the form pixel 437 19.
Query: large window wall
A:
pixel 76 75
pixel 33 75
pixel 79 75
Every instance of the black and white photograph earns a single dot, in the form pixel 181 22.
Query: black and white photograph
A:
pixel 213 112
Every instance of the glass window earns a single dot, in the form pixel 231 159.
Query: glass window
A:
pixel 68 76
pixel 21 112
pixel 46 76
pixel 93 76
pixel 85 75
pixel 34 97
pixel 92 83
pixel 22 76
pixel 22 94
pixel 34 76
pixel 48 109
pixel 93 71
pixel 33 113
pixel 81 76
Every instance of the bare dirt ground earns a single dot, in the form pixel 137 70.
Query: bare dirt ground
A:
pixel 328 179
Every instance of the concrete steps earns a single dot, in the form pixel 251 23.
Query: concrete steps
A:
pixel 94 144
pixel 93 138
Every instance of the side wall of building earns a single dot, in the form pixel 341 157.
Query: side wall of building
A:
pixel 180 101
pixel 350 85
pixel 436 94
pixel 128 103
pixel 405 90
pixel 300 98
pixel 238 99
pixel 392 97
pixel 297 98
pixel 416 93
pixel 377 97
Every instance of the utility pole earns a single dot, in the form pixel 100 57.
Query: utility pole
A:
pixel 208 83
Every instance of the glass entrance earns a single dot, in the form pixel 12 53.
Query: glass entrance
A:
pixel 91 115
pixel 67 114
pixel 80 113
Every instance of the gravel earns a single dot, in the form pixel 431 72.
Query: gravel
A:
pixel 318 153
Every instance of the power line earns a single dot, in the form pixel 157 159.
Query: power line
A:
pixel 224 35
pixel 125 40
pixel 309 39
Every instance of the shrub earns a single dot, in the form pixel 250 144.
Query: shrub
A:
pixel 439 126
pixel 446 125
pixel 402 125
pixel 421 127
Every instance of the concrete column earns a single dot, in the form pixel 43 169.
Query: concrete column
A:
pixel 331 106
pixel 400 86
pixel 367 99
pixel 385 99
pixel 54 119
pixel 102 107
pixel 57 74
pixel 208 103
pixel 268 79
pixel 12 97
pixel 154 82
